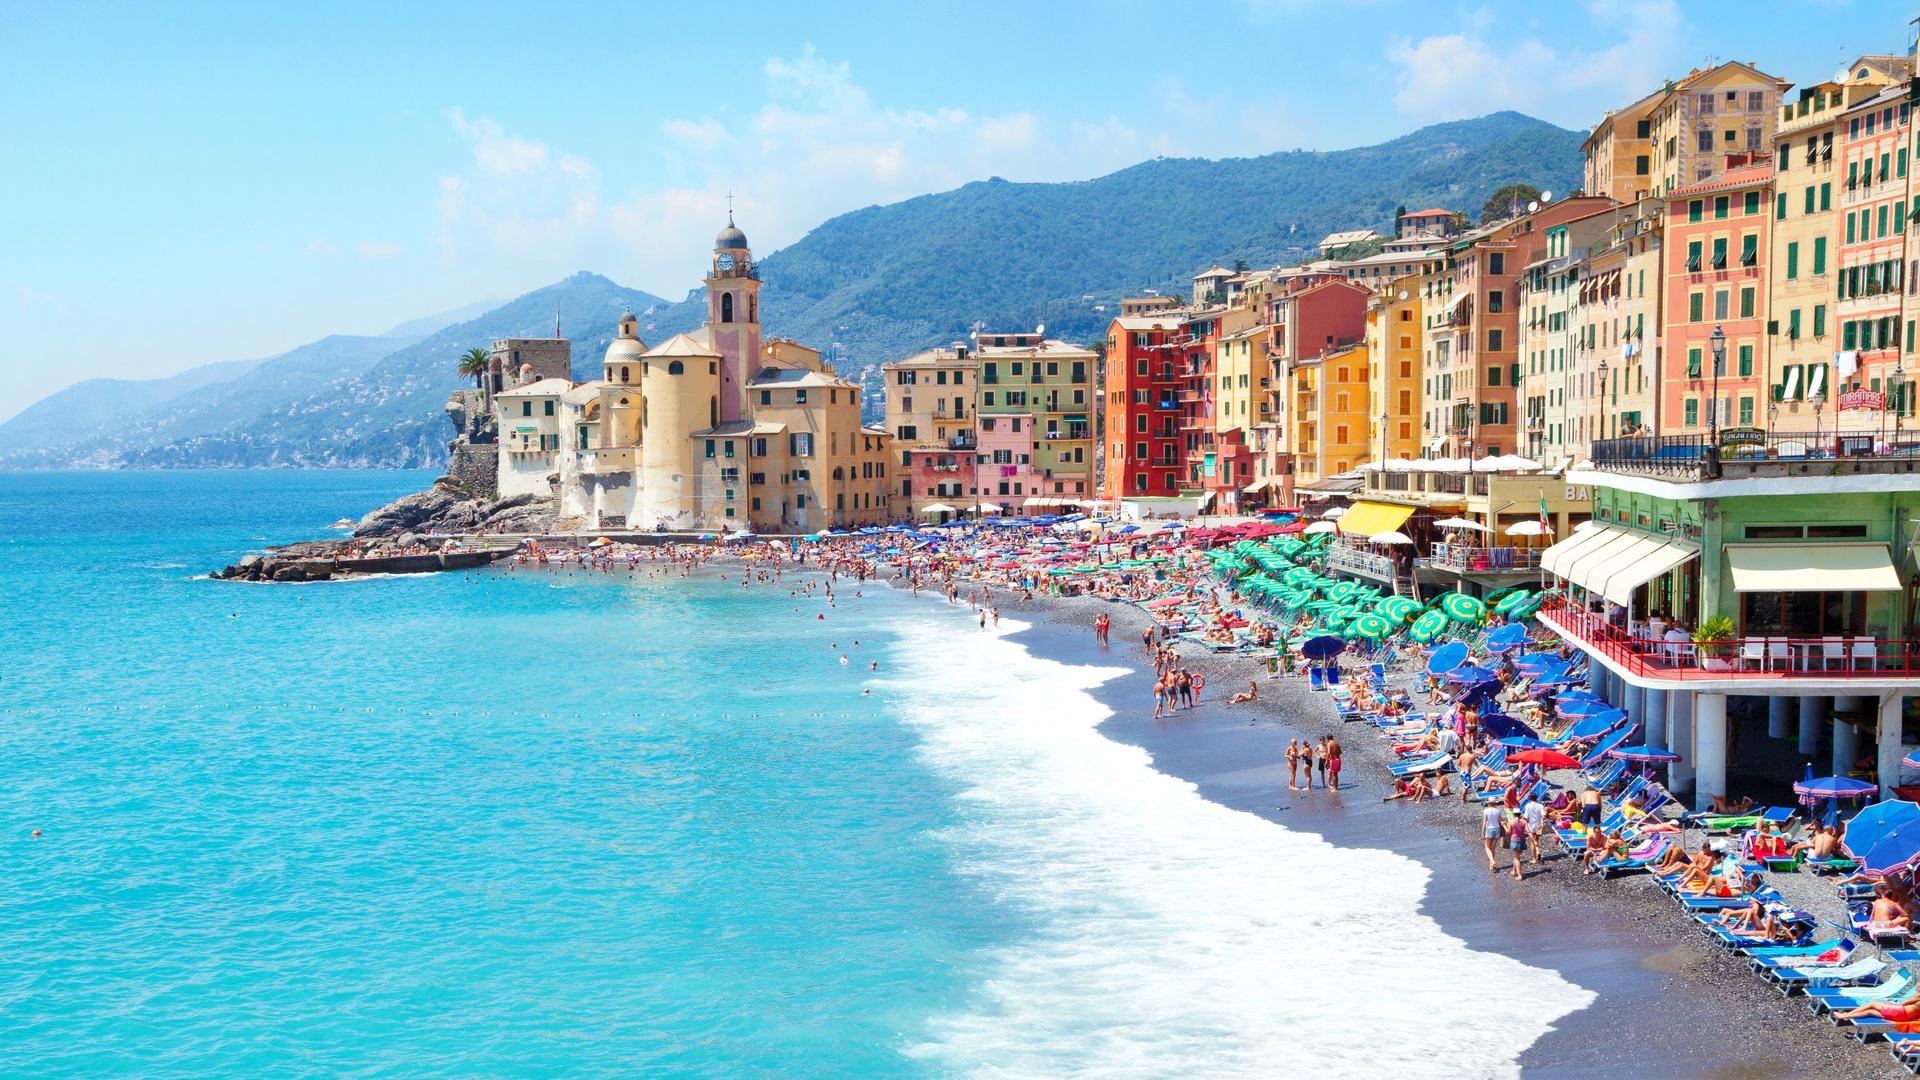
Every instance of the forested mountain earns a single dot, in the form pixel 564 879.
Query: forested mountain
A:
pixel 881 283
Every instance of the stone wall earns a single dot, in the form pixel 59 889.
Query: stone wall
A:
pixel 474 467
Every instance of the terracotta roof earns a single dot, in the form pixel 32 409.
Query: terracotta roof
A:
pixel 1739 177
pixel 1427 213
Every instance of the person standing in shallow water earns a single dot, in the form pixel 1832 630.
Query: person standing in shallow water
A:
pixel 1333 763
pixel 1293 764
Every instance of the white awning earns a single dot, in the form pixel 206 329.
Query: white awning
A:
pixel 1595 572
pixel 1458 298
pixel 1608 541
pixel 1812 568
pixel 1554 559
pixel 1622 577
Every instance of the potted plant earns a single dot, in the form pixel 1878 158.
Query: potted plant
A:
pixel 1711 640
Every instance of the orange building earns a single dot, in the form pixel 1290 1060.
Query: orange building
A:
pixel 1715 276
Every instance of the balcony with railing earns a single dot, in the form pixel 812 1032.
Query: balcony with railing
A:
pixel 1748 452
pixel 1352 559
pixel 1650 650
pixel 1472 559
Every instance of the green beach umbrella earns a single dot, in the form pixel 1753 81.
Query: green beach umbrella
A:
pixel 1427 626
pixel 1400 608
pixel 1342 590
pixel 1462 607
pixel 1370 626
pixel 1512 601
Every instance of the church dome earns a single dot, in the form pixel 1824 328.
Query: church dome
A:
pixel 627 316
pixel 730 237
pixel 625 350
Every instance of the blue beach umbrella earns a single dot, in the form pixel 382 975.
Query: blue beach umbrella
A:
pixel 1469 673
pixel 1502 726
pixel 1811 788
pixel 1447 657
pixel 1521 742
pixel 1885 837
pixel 1480 693
pixel 1325 647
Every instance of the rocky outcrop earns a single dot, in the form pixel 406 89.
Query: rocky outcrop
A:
pixel 447 507
pixel 299 562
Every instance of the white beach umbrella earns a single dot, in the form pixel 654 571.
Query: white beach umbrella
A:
pixel 1333 513
pixel 1462 523
pixel 938 508
pixel 1486 465
pixel 1390 538
pixel 1585 525
pixel 988 508
pixel 1529 527
pixel 1516 463
pixel 1320 527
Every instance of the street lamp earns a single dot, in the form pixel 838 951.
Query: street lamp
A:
pixel 1819 401
pixel 1719 343
pixel 1898 392
pixel 1600 392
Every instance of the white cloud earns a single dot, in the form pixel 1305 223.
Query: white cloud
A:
pixel 322 248
pixel 377 250
pixel 1475 71
pixel 497 152
pixel 704 133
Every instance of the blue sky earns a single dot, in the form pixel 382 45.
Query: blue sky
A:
pixel 190 183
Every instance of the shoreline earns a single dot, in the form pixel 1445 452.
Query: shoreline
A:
pixel 1667 1003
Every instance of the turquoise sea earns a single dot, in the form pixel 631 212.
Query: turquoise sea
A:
pixel 539 823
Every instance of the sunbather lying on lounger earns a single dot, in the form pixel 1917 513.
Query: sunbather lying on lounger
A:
pixel 1699 869
pixel 1897 1012
pixel 1759 921
pixel 1729 882
pixel 1671 859
pixel 1601 847
pixel 1887 915
pixel 1824 844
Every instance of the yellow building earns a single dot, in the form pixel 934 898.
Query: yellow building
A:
pixel 1393 372
pixel 931 405
pixel 1810 197
pixel 1617 319
pixel 1330 407
pixel 1618 154
pixel 1707 115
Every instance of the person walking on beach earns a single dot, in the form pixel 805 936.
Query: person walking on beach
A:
pixel 1101 624
pixel 1333 763
pixel 1535 813
pixel 1517 839
pixel 1492 829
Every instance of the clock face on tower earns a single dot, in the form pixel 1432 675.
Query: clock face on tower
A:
pixel 726 260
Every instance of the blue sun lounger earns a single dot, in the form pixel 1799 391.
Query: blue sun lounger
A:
pixel 1793 980
pixel 1438 760
pixel 1897 987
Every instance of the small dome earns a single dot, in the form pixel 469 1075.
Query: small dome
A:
pixel 627 316
pixel 730 237
pixel 625 350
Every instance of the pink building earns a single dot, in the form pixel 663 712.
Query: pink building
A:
pixel 1004 462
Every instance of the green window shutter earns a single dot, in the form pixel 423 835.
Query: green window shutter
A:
pixel 1746 360
pixel 1882 216
pixel 1849 228
pixel 1793 323
pixel 1720 253
pixel 1853 175
pixel 1720 205
pixel 1809 204
pixel 1746 303
pixel 1847 334
pixel 1693 363
pixel 1826 196
pixel 1909 335
pixel 1819 255
pixel 1753 203
pixel 1746 411
pixel 1793 261
pixel 1780 207
pixel 1819 320
pixel 1693 255
pixel 1696 307
pixel 1693 412
pixel 1750 249
pixel 1693 210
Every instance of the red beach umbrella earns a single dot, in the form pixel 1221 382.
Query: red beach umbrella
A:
pixel 1546 759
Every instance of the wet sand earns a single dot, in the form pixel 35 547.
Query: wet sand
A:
pixel 1668 1003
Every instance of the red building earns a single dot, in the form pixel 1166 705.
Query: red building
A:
pixel 1143 456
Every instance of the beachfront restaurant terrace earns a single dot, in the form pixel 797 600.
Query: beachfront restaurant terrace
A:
pixel 1794 590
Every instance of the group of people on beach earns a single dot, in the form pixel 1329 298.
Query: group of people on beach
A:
pixel 1305 755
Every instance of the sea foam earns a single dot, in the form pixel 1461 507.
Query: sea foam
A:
pixel 1171 936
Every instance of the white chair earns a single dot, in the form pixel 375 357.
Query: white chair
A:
pixel 1832 649
pixel 1866 654
pixel 1779 653
pixel 1753 653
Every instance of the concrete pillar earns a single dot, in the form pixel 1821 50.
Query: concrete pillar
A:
pixel 1709 748
pixel 1813 711
pixel 1680 734
pixel 1779 717
pixel 1596 675
pixel 1655 709
pixel 1634 700
pixel 1846 747
pixel 1887 745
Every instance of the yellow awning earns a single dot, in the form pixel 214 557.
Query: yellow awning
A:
pixel 1366 518
pixel 1812 568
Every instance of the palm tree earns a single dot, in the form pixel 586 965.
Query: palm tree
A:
pixel 473 365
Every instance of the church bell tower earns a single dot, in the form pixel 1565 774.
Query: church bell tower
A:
pixel 733 317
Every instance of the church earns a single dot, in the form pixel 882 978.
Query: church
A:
pixel 712 430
